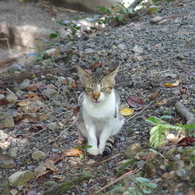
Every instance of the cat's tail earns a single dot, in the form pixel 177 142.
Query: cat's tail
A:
pixel 109 145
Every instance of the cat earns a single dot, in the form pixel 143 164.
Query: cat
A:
pixel 99 118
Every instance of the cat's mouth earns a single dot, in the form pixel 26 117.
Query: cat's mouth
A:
pixel 97 102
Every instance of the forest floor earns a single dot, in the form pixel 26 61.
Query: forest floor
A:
pixel 39 97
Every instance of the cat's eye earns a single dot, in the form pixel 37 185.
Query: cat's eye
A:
pixel 104 89
pixel 88 89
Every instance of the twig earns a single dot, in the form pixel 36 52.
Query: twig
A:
pixel 141 110
pixel 115 181
pixel 119 154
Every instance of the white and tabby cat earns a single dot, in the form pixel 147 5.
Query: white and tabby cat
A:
pixel 99 118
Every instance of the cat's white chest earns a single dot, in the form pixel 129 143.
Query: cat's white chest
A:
pixel 103 110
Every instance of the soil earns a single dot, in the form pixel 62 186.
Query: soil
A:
pixel 151 54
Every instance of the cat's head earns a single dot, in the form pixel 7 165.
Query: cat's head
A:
pixel 97 86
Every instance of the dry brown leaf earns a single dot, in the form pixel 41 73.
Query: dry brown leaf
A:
pixel 154 95
pixel 186 141
pixel 34 87
pixel 68 153
pixel 173 84
pixel 165 175
pixel 42 173
pixel 96 65
pixel 135 101
pixel 161 103
pixel 23 103
pixel 49 164
pixel 34 96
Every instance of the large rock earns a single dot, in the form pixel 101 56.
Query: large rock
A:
pixel 21 177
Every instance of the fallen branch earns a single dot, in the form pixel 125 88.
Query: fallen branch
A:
pixel 115 181
pixel 183 111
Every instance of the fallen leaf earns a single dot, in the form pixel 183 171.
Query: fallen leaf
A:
pixel 186 141
pixel 96 65
pixel 161 103
pixel 126 111
pixel 40 174
pixel 26 117
pixel 34 86
pixel 68 153
pixel 23 103
pixel 34 96
pixel 49 164
pixel 173 84
pixel 57 53
pixel 165 175
pixel 154 95
pixel 135 101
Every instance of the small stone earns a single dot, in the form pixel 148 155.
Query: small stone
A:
pixel 12 152
pixel 1 96
pixel 14 67
pixel 21 178
pixel 6 162
pixel 38 155
pixel 52 126
pixel 181 172
pixel 39 169
pixel 13 191
pixel 49 92
pixel 11 97
pixel 24 84
pixel 138 49
pixel 6 120
pixel 121 46
pixel 133 150
pixel 163 21
pixel 156 19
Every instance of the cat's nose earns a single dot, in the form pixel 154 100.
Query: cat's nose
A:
pixel 96 95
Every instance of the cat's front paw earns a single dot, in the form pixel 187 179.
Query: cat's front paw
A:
pixel 101 150
pixel 93 150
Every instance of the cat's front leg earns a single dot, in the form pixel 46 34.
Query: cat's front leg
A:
pixel 92 141
pixel 103 138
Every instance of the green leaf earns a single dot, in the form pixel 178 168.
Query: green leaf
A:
pixel 145 191
pixel 166 116
pixel 155 152
pixel 53 35
pixel 152 10
pixel 142 179
pixel 154 120
pixel 151 185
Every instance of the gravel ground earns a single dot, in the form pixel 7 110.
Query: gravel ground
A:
pixel 151 54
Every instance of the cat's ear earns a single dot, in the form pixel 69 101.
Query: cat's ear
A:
pixel 83 75
pixel 112 71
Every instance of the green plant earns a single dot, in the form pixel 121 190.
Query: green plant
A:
pixel 143 186
pixel 125 165
pixel 84 148
pixel 161 129
pixel 73 27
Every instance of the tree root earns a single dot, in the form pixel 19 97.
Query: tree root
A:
pixel 183 111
